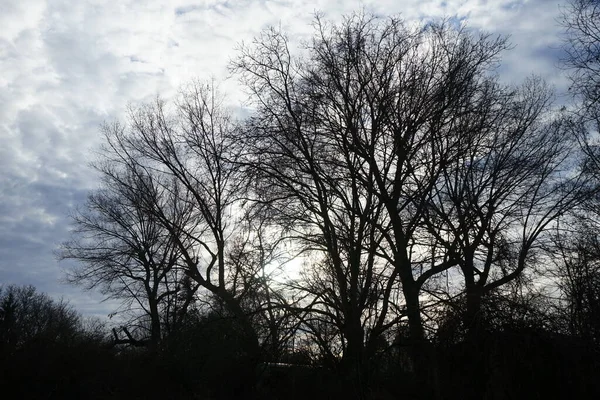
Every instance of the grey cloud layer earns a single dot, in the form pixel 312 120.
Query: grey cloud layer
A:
pixel 69 65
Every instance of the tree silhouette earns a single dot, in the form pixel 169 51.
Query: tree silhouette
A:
pixel 393 155
pixel 125 252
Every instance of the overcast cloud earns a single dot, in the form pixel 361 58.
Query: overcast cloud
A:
pixel 68 65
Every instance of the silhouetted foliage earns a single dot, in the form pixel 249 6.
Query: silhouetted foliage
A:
pixel 28 317
pixel 46 349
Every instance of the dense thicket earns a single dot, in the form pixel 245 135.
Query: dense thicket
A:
pixel 444 222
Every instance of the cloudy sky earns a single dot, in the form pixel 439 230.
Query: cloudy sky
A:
pixel 68 65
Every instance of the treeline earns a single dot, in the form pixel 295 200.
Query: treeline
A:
pixel 47 350
pixel 445 222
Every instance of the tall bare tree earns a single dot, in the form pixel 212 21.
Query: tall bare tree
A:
pixel 576 247
pixel 496 205
pixel 396 155
pixel 304 167
pixel 172 209
pixel 350 142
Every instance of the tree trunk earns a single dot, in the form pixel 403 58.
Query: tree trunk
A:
pixel 474 379
pixel 353 365
pixel 421 351
pixel 155 328
pixel 472 316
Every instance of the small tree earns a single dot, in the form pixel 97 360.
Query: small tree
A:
pixel 577 273
pixel 124 251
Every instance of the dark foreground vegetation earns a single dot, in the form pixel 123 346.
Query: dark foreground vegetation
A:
pixel 49 352
pixel 390 221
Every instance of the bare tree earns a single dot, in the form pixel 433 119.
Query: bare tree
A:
pixel 578 277
pixel 581 20
pixel 303 164
pixel 192 153
pixel 393 155
pixel 495 205
pixel 349 143
pixel 124 251
pixel 576 247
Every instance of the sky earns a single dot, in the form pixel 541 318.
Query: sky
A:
pixel 66 66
